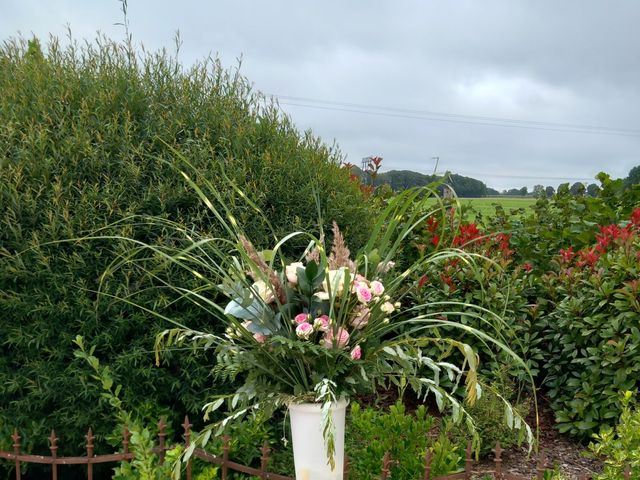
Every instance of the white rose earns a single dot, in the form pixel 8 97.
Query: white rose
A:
pixel 336 281
pixel 387 307
pixel 291 271
pixel 264 291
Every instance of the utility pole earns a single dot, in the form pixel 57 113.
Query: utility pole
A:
pixel 435 168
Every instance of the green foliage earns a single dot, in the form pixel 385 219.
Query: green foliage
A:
pixel 488 415
pixel 371 433
pixel 88 136
pixel 592 337
pixel 620 447
pixel 146 463
pixel 485 289
pixel 634 177
pixel 564 219
pixel 555 474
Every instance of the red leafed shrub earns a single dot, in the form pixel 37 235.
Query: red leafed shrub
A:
pixel 592 336
pixel 488 277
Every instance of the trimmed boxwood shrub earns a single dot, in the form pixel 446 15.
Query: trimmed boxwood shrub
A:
pixel 88 136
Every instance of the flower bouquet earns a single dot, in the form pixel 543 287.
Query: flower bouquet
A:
pixel 319 328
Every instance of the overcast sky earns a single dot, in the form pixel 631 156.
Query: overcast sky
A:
pixel 422 79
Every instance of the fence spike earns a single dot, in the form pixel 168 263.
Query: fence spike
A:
pixel 264 459
pixel 16 449
pixel 468 460
pixel 226 447
pixel 16 439
pixel 428 457
pixel 53 446
pixel 161 436
pixel 386 464
pixel 126 435
pixel 90 438
pixel 542 462
pixel 187 429
pixel 187 441
pixel 498 461
pixel 53 443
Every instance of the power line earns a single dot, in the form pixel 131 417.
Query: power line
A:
pixel 451 117
pixel 498 175
pixel 526 177
pixel 456 115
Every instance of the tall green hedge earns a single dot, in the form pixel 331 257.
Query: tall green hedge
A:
pixel 86 139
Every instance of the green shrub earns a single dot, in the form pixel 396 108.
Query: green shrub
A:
pixel 620 447
pixel 488 416
pixel 87 138
pixel 593 335
pixel 371 433
pixel 564 219
pixel 488 278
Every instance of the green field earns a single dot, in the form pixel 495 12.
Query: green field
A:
pixel 486 205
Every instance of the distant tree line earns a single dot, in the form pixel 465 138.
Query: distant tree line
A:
pixel 471 187
pixel 403 179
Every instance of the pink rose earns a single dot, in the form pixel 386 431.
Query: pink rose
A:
pixel 321 323
pixel 356 353
pixel 259 337
pixel 340 339
pixel 363 293
pixel 304 330
pixel 301 317
pixel 361 318
pixel 377 288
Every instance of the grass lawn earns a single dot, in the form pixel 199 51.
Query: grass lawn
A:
pixel 485 205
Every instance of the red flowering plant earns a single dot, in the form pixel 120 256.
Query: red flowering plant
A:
pixel 485 276
pixel 592 336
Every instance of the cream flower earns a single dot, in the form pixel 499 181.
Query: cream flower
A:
pixel 264 291
pixel 356 353
pixel 322 323
pixel 387 307
pixel 300 318
pixel 362 317
pixel 291 271
pixel 336 279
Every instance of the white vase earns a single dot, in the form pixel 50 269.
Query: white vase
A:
pixel 309 447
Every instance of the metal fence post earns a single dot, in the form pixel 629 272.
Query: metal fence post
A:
pixel 90 438
pixel 53 440
pixel 16 449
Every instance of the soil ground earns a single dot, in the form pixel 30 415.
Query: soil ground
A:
pixel 561 452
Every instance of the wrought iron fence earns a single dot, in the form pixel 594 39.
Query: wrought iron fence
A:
pixel 227 465
pixel 90 459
